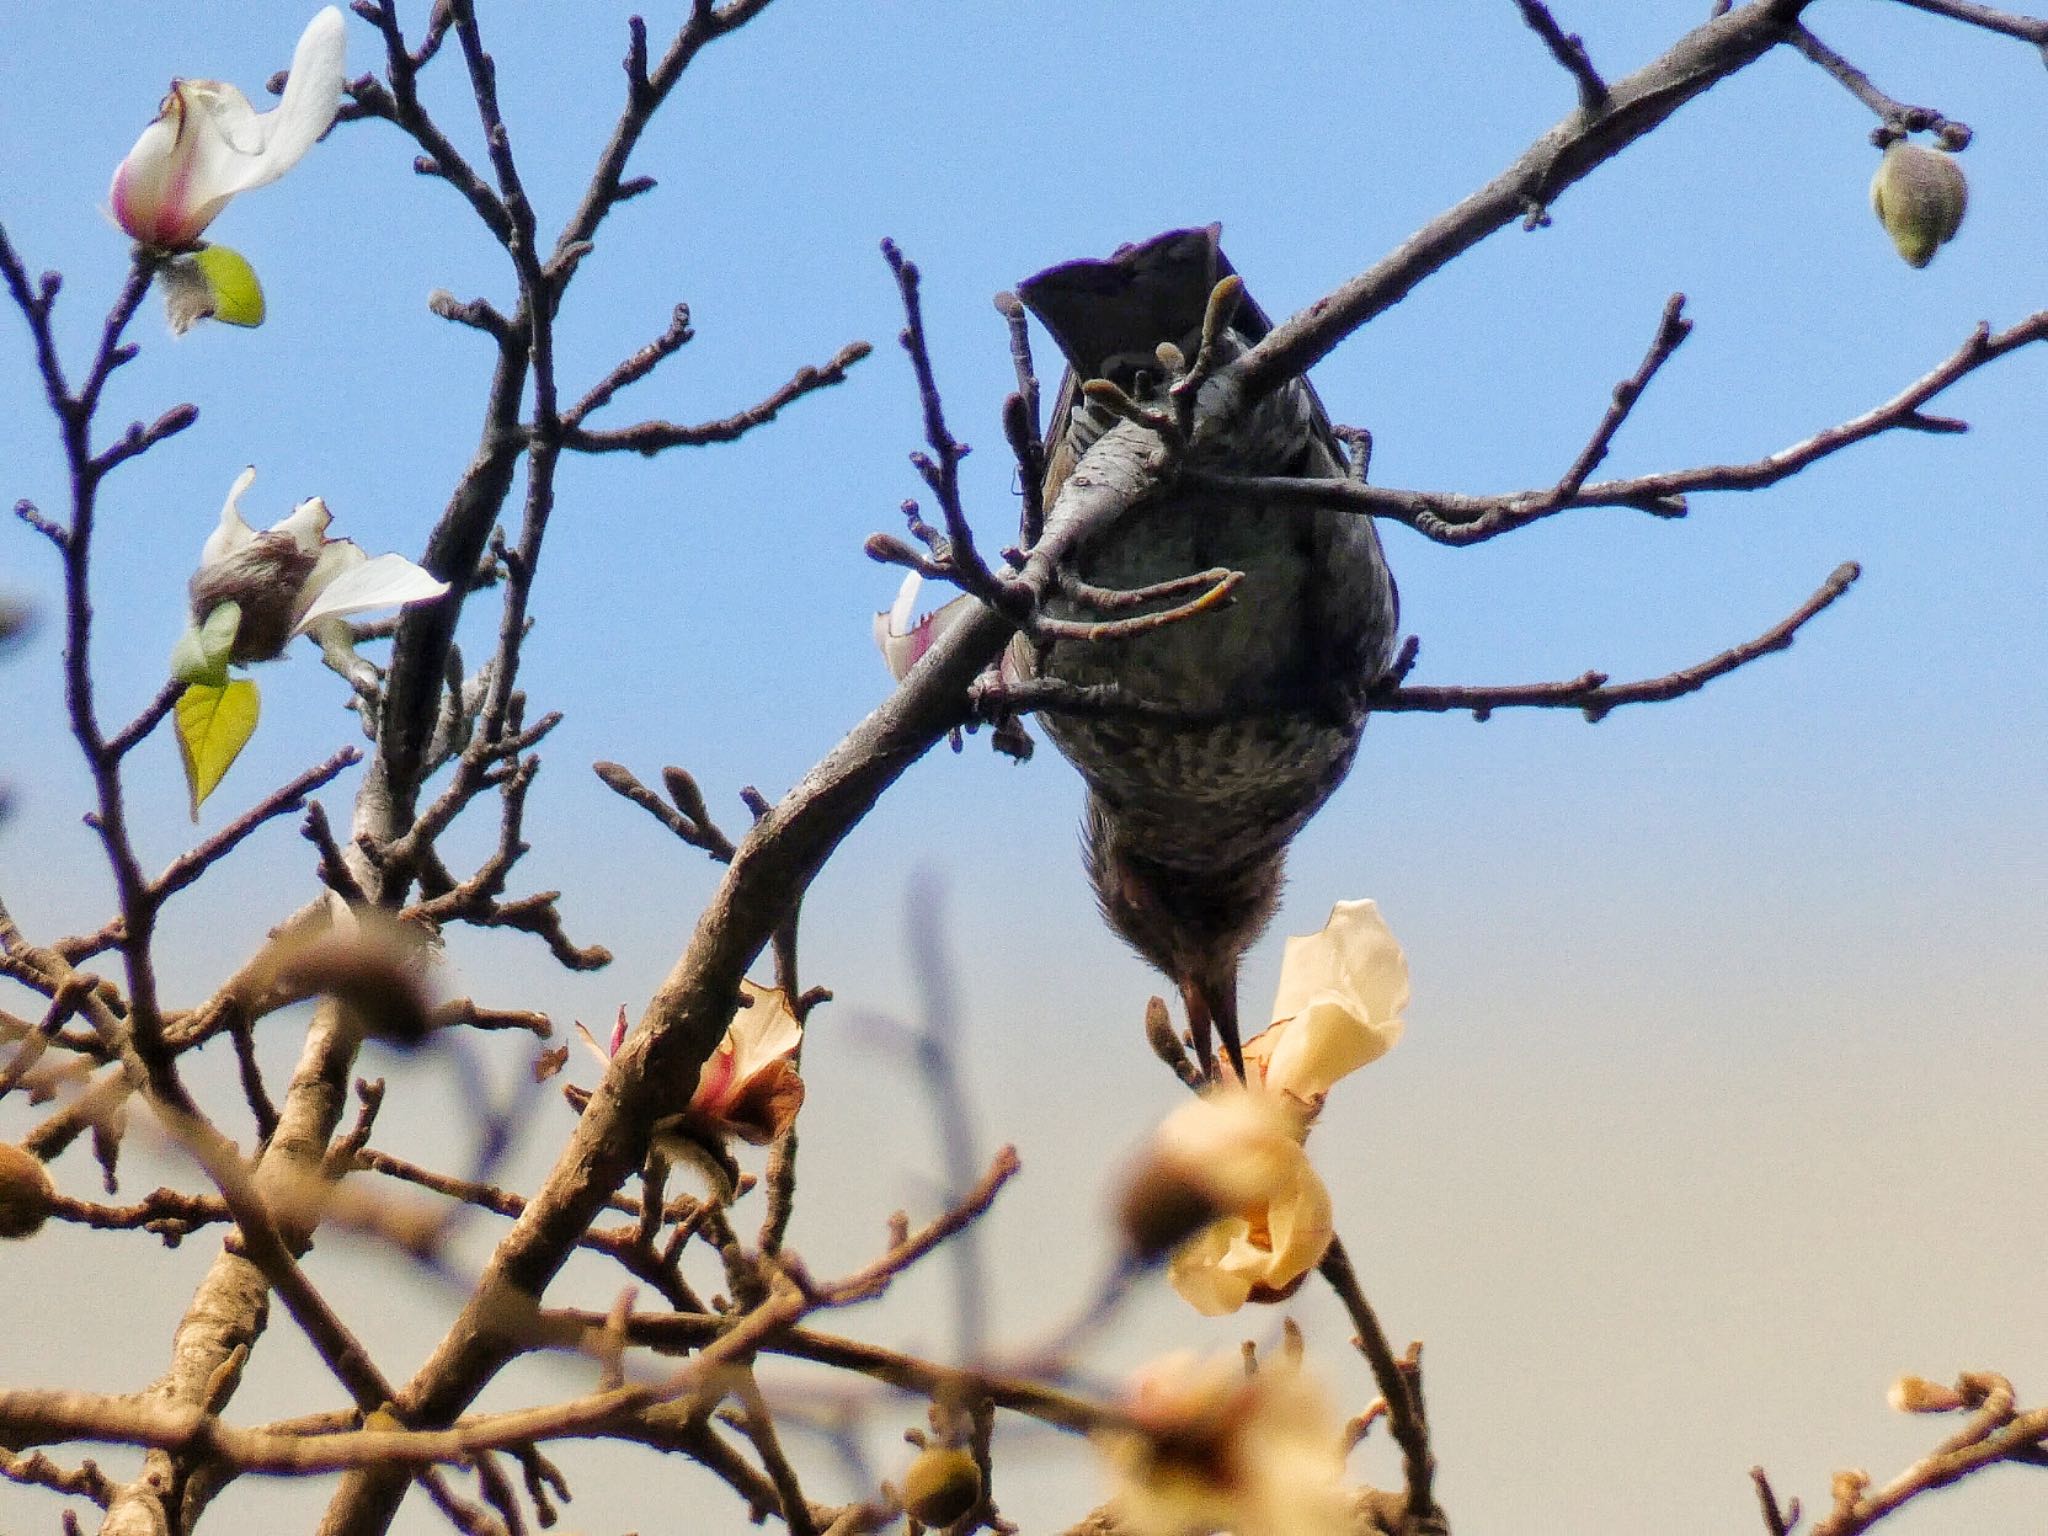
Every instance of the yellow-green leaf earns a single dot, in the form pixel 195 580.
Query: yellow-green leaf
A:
pixel 201 654
pixel 237 296
pixel 215 721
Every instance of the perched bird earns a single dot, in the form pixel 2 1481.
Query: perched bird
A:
pixel 1187 824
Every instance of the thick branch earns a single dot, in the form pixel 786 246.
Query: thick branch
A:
pixel 1634 106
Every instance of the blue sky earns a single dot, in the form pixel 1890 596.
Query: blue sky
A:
pixel 1721 1005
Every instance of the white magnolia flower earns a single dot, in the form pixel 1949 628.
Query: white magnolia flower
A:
pixel 293 580
pixel 1211 1448
pixel 208 144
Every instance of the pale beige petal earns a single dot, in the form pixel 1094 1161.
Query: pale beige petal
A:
pixel 1355 956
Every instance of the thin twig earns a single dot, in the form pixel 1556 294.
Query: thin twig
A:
pixel 652 437
pixel 1404 1407
pixel 1896 118
pixel 1591 692
pixel 1569 50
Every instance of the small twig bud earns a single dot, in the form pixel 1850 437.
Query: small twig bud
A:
pixel 1916 1394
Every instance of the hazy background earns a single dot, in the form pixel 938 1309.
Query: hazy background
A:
pixel 1719 1103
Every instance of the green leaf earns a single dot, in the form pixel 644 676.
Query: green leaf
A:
pixel 201 654
pixel 237 296
pixel 215 721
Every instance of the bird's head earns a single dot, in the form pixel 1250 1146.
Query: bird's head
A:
pixel 1194 925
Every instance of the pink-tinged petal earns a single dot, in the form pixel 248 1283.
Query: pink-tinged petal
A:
pixel 903 643
pixel 717 1084
pixel 208 143
pixel 146 196
pixel 750 1087
pixel 233 533
pixel 222 137
pixel 618 1031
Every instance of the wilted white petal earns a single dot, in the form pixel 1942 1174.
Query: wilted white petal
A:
pixel 1240 1150
pixel 307 528
pixel 275 141
pixel 233 533
pixel 1211 1448
pixel 382 581
pixel 765 1032
pixel 1261 1254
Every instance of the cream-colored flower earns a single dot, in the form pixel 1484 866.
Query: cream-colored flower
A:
pixel 208 144
pixel 1226 1187
pixel 1226 1182
pixel 1212 1448
pixel 1338 1007
pixel 287 581
pixel 1262 1254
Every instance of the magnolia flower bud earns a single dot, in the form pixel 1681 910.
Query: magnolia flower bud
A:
pixel 1919 195
pixel 25 1192
pixel 941 1486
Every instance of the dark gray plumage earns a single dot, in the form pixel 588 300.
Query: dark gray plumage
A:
pixel 1187 826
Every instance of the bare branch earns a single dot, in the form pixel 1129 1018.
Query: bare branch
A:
pixel 652 437
pixel 1672 329
pixel 1454 519
pixel 1021 422
pixel 1591 692
pixel 688 818
pixel 2028 29
pixel 1895 118
pixel 1400 1388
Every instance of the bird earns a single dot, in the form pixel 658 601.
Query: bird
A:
pixel 1188 820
